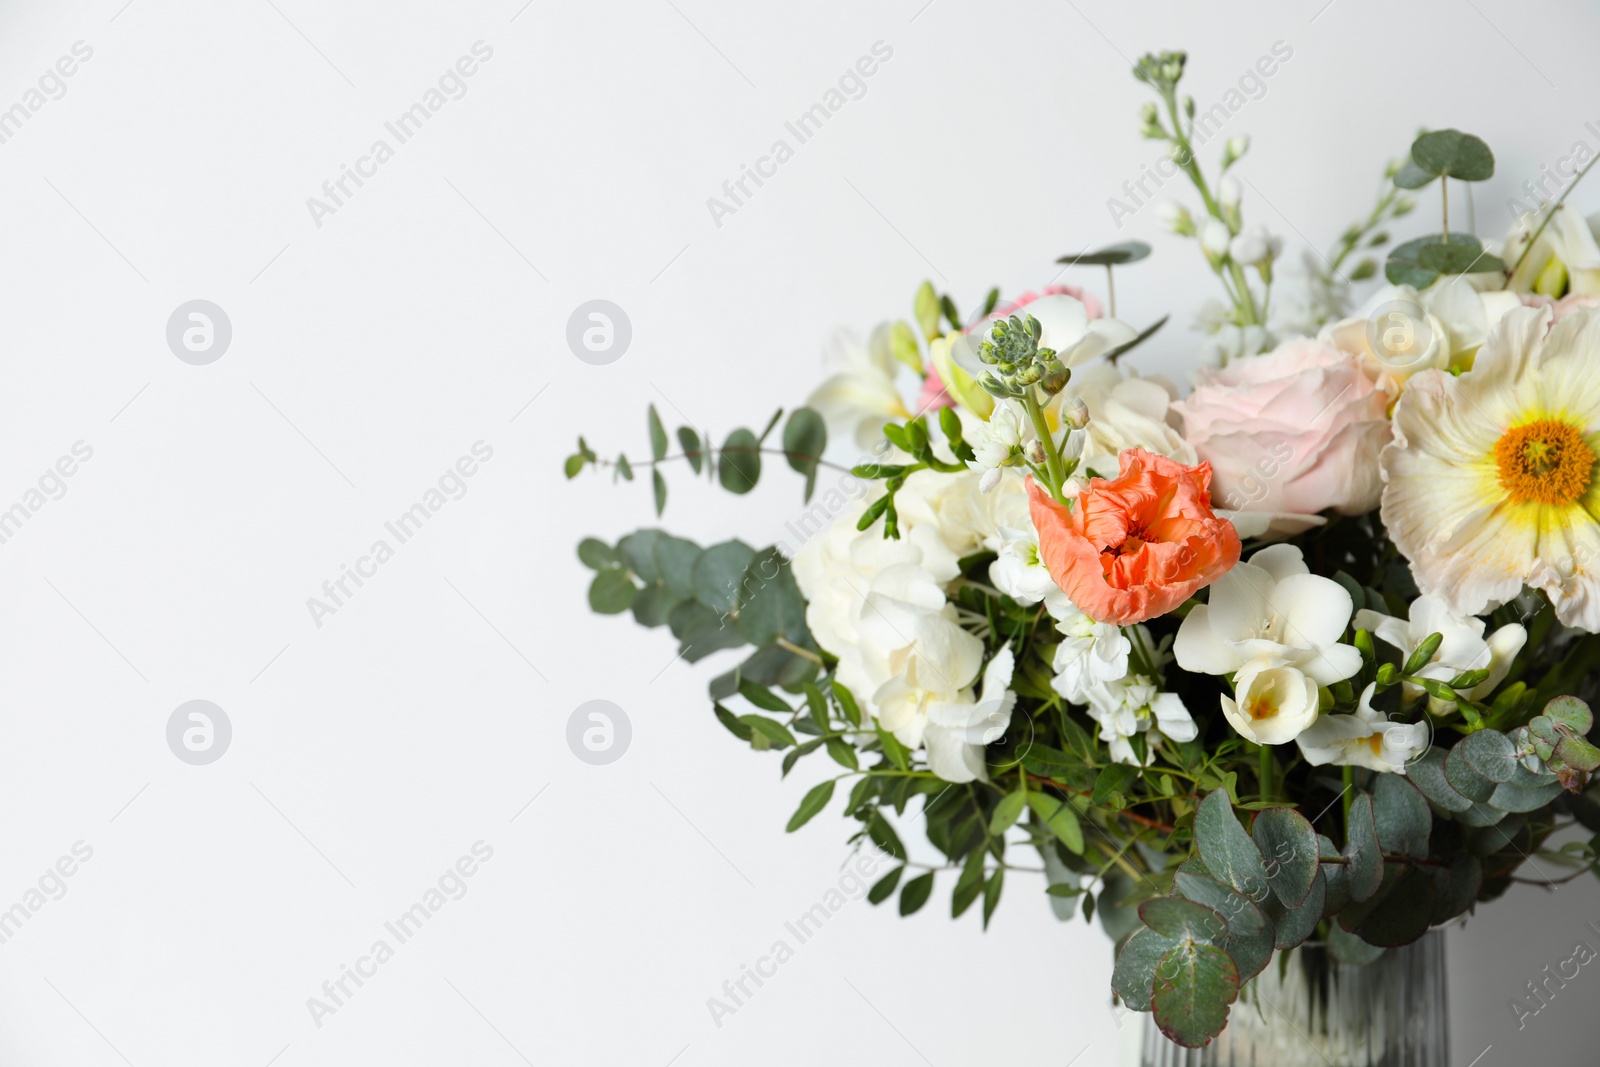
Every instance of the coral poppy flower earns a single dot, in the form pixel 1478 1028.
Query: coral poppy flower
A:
pixel 1137 545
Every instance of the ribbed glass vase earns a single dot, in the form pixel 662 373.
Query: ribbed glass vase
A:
pixel 1318 1012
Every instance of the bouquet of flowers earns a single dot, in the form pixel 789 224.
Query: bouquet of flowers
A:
pixel 1303 653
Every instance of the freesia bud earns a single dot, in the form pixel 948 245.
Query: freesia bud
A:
pixel 1255 246
pixel 1229 191
pixel 1214 237
pixel 1238 146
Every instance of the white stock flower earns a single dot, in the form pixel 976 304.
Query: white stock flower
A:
pixel 1463 647
pixel 1271 703
pixel 958 730
pixel 1090 654
pixel 1128 707
pixel 1272 611
pixel 1255 245
pixel 1214 237
pixel 1364 739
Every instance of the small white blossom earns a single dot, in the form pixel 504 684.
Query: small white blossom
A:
pixel 1255 245
pixel 1463 647
pixel 1214 237
pixel 1364 739
pixel 1131 706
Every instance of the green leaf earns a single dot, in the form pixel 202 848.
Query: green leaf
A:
pixel 690 442
pixel 893 749
pixel 843 754
pixel 1570 712
pixel 1194 984
pixel 1348 948
pixel 762 697
pixel 659 484
pixel 624 468
pixel 1297 924
pixel 1427 774
pixel 573 466
pixel 1060 818
pixel 638 551
pixel 1455 889
pixel 596 554
pixel 991 893
pixel 1110 256
pixel 1183 920
pixel 805 436
pixel 968 885
pixel 1289 845
pixel 884 887
pixel 1113 778
pixel 773 606
pixel 1412 176
pixel 1403 914
pixel 771 729
pixel 718 575
pixel 701 631
pixel 1423 654
pixel 813 802
pixel 1007 812
pixel 1453 154
pixel 653 605
pixel 794 755
pixel 925 307
pixel 847 703
pixel 1361 850
pixel 1249 933
pixel 916 893
pixel 1409 263
pixel 1488 752
pixel 731 721
pixel 1401 817
pixel 658 435
pixel 675 558
pixel 1228 852
pixel 883 835
pixel 1135 972
pixel 611 592
pixel 739 463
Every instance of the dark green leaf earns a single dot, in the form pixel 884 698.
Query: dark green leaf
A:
pixel 991 893
pixel 659 485
pixel 1289 845
pixel 916 893
pixel 1453 154
pixel 1405 912
pixel 883 835
pixel 1401 816
pixel 813 802
pixel 1297 924
pixel 771 729
pixel 653 605
pixel 762 697
pixel 1135 972
pixel 638 551
pixel 1183 920
pixel 719 574
pixel 1412 176
pixel 1110 256
pixel 1456 888
pixel 1228 852
pixel 1365 864
pixel 701 631
pixel 773 606
pixel 1427 774
pixel 739 463
pixel 690 442
pixel 1249 936
pixel 884 887
pixel 843 754
pixel 805 436
pixel 1007 812
pixel 658 435
pixel 1348 948
pixel 675 559
pixel 731 721
pixel 1193 987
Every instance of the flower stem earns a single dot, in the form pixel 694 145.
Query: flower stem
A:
pixel 1055 469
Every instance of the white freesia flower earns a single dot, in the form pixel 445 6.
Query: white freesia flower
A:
pixel 1271 611
pixel 939 660
pixel 1272 703
pixel 1017 570
pixel 1364 739
pixel 1090 654
pixel 958 730
pixel 1065 327
pixel 1131 706
pixel 1567 245
pixel 1463 647
pixel 858 399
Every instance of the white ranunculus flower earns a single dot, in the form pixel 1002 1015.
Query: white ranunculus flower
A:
pixel 1090 654
pixel 1126 412
pixel 1127 707
pixel 1364 739
pixel 1271 703
pixel 861 396
pixel 1463 647
pixel 1065 327
pixel 958 730
pixel 1272 611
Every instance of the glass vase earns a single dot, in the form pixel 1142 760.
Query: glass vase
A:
pixel 1310 1010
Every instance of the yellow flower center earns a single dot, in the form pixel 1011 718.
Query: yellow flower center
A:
pixel 1544 462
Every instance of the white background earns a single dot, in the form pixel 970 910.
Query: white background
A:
pixel 372 351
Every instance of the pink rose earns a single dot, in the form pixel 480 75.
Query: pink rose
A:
pixel 1293 431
